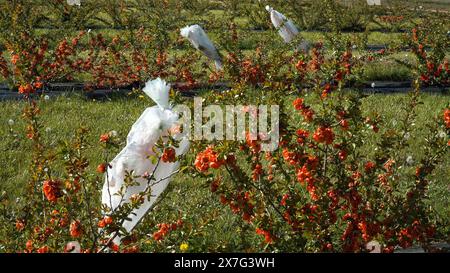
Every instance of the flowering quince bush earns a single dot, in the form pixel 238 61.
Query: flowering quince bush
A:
pixel 320 191
pixel 433 66
pixel 340 178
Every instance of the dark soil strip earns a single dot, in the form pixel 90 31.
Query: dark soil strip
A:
pixel 62 89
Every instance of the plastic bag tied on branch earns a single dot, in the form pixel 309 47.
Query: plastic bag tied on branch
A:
pixel 198 38
pixel 151 177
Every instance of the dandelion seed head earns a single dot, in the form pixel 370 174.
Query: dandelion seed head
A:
pixel 407 136
pixel 409 160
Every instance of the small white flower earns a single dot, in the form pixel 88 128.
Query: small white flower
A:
pixel 442 134
pixel 113 133
pixel 89 30
pixel 10 122
pixel 74 2
pixel 407 136
pixel 409 160
pixel 48 130
pixel 46 97
pixel 373 85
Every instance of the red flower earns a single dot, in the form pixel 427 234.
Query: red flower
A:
pixel 104 138
pixel 76 229
pixel 326 90
pixel 267 236
pixel 114 247
pixel 344 124
pixel 324 135
pixel 52 190
pixel 169 155
pixel 43 249
pixel 430 66
pixel 369 166
pixel 284 199
pixel 307 112
pixel 290 157
pixel 215 185
pixel 101 168
pixel 302 136
pixel 162 232
pixel 254 145
pixel 343 155
pixel 424 78
pixel 301 66
pixel 29 245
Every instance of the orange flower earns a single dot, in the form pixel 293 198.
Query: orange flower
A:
pixel 26 89
pixel 447 118
pixel 52 190
pixel 76 229
pixel 14 59
pixel 38 85
pixel 20 225
pixel 298 104
pixel 107 220
pixel 29 245
pixel 207 159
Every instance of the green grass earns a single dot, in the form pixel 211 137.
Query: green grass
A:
pixel 63 115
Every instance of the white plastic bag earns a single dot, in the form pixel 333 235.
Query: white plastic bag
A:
pixel 154 123
pixel 198 38
pixel 286 27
